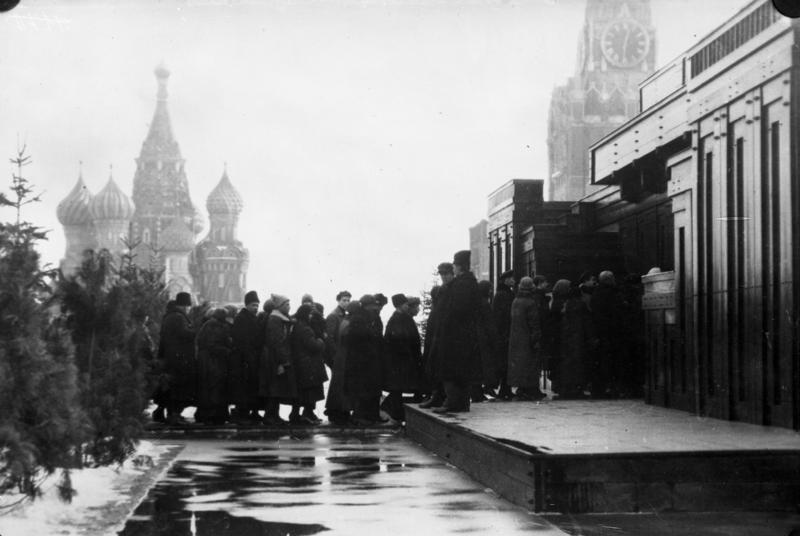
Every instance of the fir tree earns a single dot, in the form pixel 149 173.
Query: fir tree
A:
pixel 41 422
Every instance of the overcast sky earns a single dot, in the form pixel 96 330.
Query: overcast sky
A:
pixel 364 136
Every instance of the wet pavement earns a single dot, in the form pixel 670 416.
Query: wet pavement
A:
pixel 322 483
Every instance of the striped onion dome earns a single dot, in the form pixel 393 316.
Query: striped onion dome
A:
pixel 224 199
pixel 176 236
pixel 74 209
pixel 111 203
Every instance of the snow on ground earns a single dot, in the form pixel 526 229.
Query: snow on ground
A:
pixel 105 496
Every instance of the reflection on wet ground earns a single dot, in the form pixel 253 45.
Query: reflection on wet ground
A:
pixel 321 483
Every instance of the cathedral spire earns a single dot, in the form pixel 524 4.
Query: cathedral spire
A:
pixel 160 143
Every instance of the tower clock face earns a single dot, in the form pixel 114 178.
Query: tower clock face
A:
pixel 624 43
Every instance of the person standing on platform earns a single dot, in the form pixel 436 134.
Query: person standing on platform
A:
pixel 177 336
pixel 606 307
pixel 552 332
pixel 363 377
pixel 309 365
pixel 159 374
pixel 430 354
pixel 524 344
pixel 459 365
pixel 337 406
pixel 501 313
pixel 248 341
pixel 214 346
pixel 577 343
pixel 402 345
pixel 487 340
pixel 282 381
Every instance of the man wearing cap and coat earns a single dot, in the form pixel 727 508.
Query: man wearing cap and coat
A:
pixel 337 405
pixel 248 341
pixel 458 346
pixel 363 376
pixel 402 357
pixel 501 313
pixel 281 375
pixel 177 338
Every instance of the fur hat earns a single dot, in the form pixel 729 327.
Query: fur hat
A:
pixel 307 298
pixel 183 299
pixel 381 299
pixel 445 268
pixel 506 274
pixel 278 300
pixel 354 307
pixel 368 299
pixel 526 283
pixel 413 301
pixel 399 299
pixel 461 258
pixel 251 297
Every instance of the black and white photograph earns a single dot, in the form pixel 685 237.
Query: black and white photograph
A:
pixel 407 267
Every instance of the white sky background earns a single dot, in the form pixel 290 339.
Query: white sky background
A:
pixel 364 136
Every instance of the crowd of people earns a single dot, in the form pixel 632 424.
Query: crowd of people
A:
pixel 576 339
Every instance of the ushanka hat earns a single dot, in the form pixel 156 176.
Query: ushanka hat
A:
pixel 251 297
pixel 183 299
pixel 278 300
pixel 461 258
pixel 399 299
pixel 445 268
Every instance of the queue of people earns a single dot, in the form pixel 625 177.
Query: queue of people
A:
pixel 241 365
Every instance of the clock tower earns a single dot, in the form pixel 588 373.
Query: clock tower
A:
pixel 616 52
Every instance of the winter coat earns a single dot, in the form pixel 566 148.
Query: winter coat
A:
pixel 429 342
pixel 214 346
pixel 332 323
pixel 278 350
pixel 363 373
pixel 524 343
pixel 501 314
pixel 577 344
pixel 248 341
pixel 307 356
pixel 337 324
pixel 457 347
pixel 177 340
pixel 403 355
pixel 487 339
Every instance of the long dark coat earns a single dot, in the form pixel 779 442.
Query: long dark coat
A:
pixel 332 323
pixel 180 363
pixel 278 350
pixel 487 339
pixel 337 401
pixel 524 344
pixel 431 337
pixel 457 349
pixel 363 373
pixel 214 346
pixel 403 354
pixel 501 313
pixel 307 355
pixel 606 306
pixel 577 341
pixel 248 341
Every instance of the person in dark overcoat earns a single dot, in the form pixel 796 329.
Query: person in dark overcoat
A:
pixel 524 343
pixel 501 313
pixel 214 347
pixel 577 343
pixel 430 355
pixel 337 405
pixel 309 365
pixel 403 358
pixel 363 376
pixel 282 382
pixel 552 332
pixel 487 338
pixel 458 346
pixel 248 341
pixel 177 338
pixel 606 306
pixel 158 373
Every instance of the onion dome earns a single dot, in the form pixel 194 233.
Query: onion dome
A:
pixel 176 237
pixel 111 203
pixel 224 199
pixel 74 209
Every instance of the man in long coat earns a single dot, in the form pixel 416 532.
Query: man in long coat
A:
pixel 337 405
pixel 402 345
pixel 525 341
pixel 214 347
pixel 430 355
pixel 248 341
pixel 281 375
pixel 363 378
pixel 177 338
pixel 501 313
pixel 458 346
pixel 606 306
